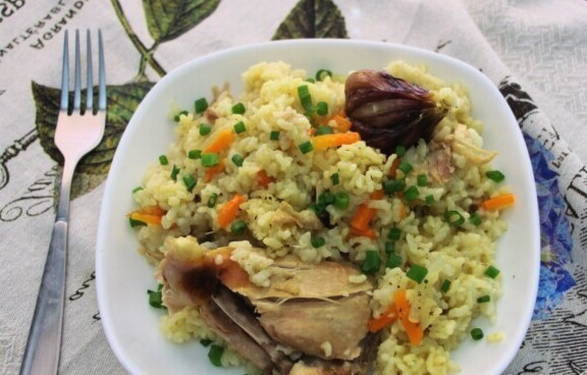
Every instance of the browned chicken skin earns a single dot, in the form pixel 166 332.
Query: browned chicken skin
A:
pixel 309 311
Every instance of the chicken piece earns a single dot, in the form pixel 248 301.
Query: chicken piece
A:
pixel 309 325
pixel 309 309
pixel 233 307
pixel 239 341
pixel 191 275
pixel 464 143
pixel 291 278
pixel 440 164
pixel 304 219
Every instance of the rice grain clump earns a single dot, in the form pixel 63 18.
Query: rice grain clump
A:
pixel 430 236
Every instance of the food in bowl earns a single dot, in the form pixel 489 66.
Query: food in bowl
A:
pixel 325 225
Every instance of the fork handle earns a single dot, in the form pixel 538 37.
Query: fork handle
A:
pixel 41 356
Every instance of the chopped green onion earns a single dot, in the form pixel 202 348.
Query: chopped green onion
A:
pixel 305 98
pixel 311 80
pixel 206 342
pixel 324 129
pixel 190 182
pixel 335 178
pixel 238 227
pixel 136 223
pixel 389 247
pixel 400 150
pixel 393 186
pixel 371 263
pixel 393 260
pixel 210 160
pixel 477 334
pixel 322 108
pixel 394 234
pixel 317 208
pixel 341 200
pixel 445 286
pixel 177 117
pixel 274 135
pixel 205 129
pixel 475 219
pixel 306 147
pixel 321 74
pixel 491 272
pixel 238 109
pixel 237 160
pixel 483 299
pixel 405 167
pixel 239 127
pixel 422 180
pixel 454 218
pixel 326 198
pixel 215 355
pixel 174 172
pixel 317 241
pixel 411 193
pixel 201 105
pixel 138 188
pixel 417 273
pixel 212 200
pixel 155 297
pixel 429 199
pixel 163 160
pixel 496 176
pixel 195 154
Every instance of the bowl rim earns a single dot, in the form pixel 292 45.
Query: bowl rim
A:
pixel 104 308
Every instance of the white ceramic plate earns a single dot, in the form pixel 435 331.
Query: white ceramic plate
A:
pixel 123 276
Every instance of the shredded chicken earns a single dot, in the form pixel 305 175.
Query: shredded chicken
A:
pixel 440 164
pixel 464 143
pixel 308 310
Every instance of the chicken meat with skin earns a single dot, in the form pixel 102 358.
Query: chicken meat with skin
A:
pixel 311 319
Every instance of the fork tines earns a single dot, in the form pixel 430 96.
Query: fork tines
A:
pixel 77 97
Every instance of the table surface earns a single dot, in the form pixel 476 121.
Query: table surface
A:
pixel 536 51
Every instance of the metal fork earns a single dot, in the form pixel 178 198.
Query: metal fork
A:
pixel 78 131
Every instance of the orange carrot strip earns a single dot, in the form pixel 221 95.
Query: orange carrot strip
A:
pixel 229 210
pixel 386 319
pixel 500 202
pixel 213 171
pixel 370 233
pixel 148 215
pixel 152 210
pixel 322 142
pixel 402 307
pixel 146 218
pixel 362 217
pixel 403 211
pixel 263 179
pixel 377 194
pixel 343 124
pixel 221 142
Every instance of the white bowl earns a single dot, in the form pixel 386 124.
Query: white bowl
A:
pixel 123 276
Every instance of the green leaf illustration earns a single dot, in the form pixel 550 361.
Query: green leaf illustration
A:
pixel 168 19
pixel 93 168
pixel 312 19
